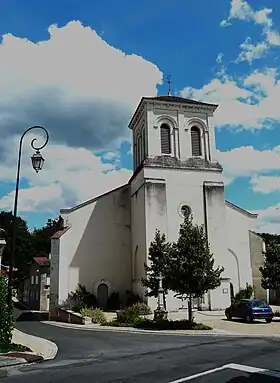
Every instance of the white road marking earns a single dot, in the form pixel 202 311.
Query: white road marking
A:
pixel 253 370
pixel 198 375
pixel 232 366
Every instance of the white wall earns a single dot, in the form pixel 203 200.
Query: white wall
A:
pixel 97 247
pixel 238 226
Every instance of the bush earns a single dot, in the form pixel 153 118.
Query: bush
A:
pixel 79 299
pixel 114 301
pixel 246 293
pixel 147 324
pixel 140 308
pixel 132 314
pixel 132 298
pixel 96 315
pixel 6 319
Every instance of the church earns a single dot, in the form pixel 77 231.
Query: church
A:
pixel 105 241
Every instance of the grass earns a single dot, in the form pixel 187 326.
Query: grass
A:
pixel 15 347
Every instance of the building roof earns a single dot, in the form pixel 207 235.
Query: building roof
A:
pixel 42 261
pixel 179 100
pixel 240 210
pixel 59 233
pixel 90 201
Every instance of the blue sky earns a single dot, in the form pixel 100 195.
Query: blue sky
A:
pixel 84 88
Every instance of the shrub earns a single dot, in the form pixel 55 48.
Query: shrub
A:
pixel 140 308
pixel 79 299
pixel 246 293
pixel 6 319
pixel 132 298
pixel 96 315
pixel 148 324
pixel 114 301
pixel 127 316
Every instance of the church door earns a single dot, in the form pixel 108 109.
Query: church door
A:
pixel 102 296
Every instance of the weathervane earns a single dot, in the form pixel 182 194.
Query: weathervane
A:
pixel 169 82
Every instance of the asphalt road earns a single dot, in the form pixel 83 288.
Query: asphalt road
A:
pixel 98 356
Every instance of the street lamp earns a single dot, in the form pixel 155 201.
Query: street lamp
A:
pixel 37 163
pixel 2 246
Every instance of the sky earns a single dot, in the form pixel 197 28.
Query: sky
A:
pixel 80 67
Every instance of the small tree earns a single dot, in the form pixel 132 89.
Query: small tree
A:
pixel 6 320
pixel 159 252
pixel 191 271
pixel 271 270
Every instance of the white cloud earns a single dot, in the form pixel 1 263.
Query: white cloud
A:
pixel 250 103
pixel 250 52
pixel 70 176
pixel 249 162
pixel 83 91
pixel 75 84
pixel 241 10
pixel 265 184
pixel 268 220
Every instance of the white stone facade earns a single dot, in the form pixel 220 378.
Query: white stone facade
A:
pixel 175 169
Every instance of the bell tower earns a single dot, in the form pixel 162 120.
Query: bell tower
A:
pixel 176 173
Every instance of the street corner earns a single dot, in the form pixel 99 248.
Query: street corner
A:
pixel 233 373
pixel 18 358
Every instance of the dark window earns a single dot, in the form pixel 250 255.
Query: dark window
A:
pixel 165 139
pixel 196 142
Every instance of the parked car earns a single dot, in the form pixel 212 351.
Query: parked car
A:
pixel 250 309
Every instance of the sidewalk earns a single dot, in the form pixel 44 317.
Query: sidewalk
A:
pixel 215 319
pixel 42 349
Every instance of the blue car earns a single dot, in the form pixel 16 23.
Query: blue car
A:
pixel 250 309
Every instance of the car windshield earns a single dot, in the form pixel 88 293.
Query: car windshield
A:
pixel 259 304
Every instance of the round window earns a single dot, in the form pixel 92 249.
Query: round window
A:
pixel 186 211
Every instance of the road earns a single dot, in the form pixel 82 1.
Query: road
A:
pixel 98 356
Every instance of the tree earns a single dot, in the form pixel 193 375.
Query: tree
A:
pixel 6 320
pixel 271 270
pixel 159 252
pixel 24 250
pixel 191 271
pixel 41 237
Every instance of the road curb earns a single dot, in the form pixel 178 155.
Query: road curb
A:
pixel 40 346
pixel 216 332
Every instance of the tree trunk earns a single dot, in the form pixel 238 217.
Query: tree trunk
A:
pixel 190 308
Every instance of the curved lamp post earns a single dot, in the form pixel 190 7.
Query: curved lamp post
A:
pixel 37 163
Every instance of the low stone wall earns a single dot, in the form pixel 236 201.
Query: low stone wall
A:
pixel 67 316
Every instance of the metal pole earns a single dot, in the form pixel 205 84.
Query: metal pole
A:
pixel 12 257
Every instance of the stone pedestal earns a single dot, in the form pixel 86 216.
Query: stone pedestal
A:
pixel 160 314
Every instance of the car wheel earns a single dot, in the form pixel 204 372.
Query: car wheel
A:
pixel 248 319
pixel 229 317
pixel 268 320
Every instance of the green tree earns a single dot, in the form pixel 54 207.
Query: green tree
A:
pixel 191 267
pixel 6 320
pixel 271 270
pixel 159 252
pixel 41 237
pixel 24 251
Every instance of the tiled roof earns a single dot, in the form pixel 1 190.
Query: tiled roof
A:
pixel 59 233
pixel 42 260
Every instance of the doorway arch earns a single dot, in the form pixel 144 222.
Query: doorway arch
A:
pixel 102 295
